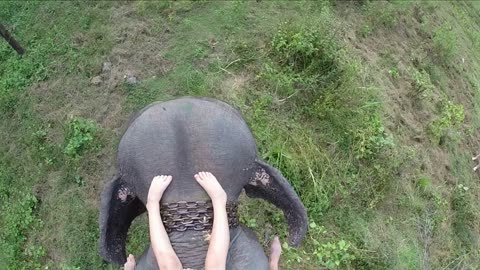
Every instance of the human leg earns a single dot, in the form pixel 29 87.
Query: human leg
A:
pixel 275 251
pixel 161 246
pixel 130 264
pixel 220 237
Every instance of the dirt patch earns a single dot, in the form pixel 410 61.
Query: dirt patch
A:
pixel 137 54
pixel 138 50
pixel 234 86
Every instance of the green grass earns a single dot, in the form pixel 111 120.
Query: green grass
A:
pixel 379 194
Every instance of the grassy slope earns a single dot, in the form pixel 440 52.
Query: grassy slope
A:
pixel 332 94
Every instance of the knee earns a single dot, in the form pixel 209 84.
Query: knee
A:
pixel 169 262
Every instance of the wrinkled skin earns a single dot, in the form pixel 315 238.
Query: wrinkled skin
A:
pixel 182 137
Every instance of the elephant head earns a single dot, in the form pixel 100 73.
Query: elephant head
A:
pixel 181 137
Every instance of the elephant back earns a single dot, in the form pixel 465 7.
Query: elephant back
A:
pixel 182 137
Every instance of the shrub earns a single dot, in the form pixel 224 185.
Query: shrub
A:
pixel 306 50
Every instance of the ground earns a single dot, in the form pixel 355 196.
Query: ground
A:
pixel 371 110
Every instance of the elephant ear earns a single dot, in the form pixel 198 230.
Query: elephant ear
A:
pixel 269 184
pixel 119 207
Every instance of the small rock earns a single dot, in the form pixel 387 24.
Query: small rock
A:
pixel 130 79
pixel 106 66
pixel 97 80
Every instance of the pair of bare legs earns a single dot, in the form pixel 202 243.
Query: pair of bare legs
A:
pixel 220 236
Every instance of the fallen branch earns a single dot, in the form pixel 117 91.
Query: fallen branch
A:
pixel 15 45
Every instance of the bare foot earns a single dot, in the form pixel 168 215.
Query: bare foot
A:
pixel 157 187
pixel 130 264
pixel 275 251
pixel 213 188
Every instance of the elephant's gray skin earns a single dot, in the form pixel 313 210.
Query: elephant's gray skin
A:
pixel 181 137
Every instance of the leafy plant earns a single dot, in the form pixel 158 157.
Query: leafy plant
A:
pixel 372 139
pixel 304 49
pixel 17 218
pixel 393 72
pixel 366 30
pixel 79 136
pixel 44 148
pixel 424 183
pixel 333 254
pixel 421 83
pixel 451 116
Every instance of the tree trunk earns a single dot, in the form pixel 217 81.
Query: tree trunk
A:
pixel 15 45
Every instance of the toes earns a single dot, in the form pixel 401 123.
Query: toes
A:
pixel 276 247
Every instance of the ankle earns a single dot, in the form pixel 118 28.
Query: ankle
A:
pixel 219 202
pixel 152 206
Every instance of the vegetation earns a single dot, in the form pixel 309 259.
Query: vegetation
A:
pixel 80 135
pixel 369 108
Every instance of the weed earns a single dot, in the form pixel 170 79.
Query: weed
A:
pixel 365 31
pixel 444 42
pixel 17 218
pixel 464 215
pixel 372 139
pixel 451 116
pixel 196 84
pixel 381 14
pixel 421 83
pixel 394 73
pixel 45 149
pixel 79 180
pixel 305 50
pixel 332 255
pixel 424 183
pixel 79 137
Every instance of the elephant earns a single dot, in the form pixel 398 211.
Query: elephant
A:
pixel 181 137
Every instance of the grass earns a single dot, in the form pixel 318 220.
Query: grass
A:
pixel 379 193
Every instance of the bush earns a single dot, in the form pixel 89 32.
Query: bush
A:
pixel 306 50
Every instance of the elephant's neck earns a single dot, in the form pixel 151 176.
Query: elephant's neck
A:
pixel 191 247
